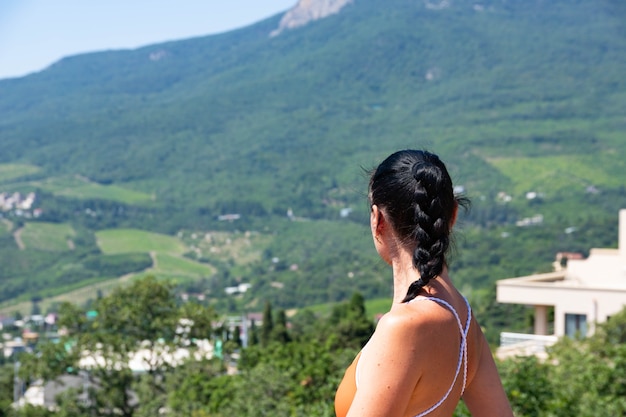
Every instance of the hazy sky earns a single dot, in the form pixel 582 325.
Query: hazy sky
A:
pixel 36 33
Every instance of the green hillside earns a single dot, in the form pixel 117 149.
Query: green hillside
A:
pixel 518 97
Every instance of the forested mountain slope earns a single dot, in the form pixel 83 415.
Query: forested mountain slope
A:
pixel 518 97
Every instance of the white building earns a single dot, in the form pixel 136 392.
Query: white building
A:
pixel 585 292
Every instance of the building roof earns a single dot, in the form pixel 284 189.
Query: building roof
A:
pixel 58 386
pixel 604 269
pixel 592 289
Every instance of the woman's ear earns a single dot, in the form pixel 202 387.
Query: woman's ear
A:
pixel 377 222
pixel 455 212
pixel 374 213
pixel 381 233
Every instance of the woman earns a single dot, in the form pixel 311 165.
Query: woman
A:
pixel 428 351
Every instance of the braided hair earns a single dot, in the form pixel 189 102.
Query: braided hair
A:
pixel 416 192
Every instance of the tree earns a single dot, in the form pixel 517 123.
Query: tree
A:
pixel 267 326
pixel 590 378
pixel 263 391
pixel 253 338
pixel 525 379
pixel 200 386
pixel 349 325
pixel 300 375
pixel 141 321
pixel 35 309
pixel 305 321
pixel 280 333
pixel 237 336
pixel 583 377
pixel 6 388
pixel 579 382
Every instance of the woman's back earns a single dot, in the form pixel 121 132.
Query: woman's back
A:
pixel 443 354
pixel 427 351
pixel 444 374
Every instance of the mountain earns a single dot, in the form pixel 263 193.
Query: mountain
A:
pixel 521 98
pixel 307 11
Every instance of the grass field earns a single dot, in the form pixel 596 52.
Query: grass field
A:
pixel 13 171
pixel 175 278
pixel 176 265
pixel 132 240
pixel 166 251
pixel 82 188
pixel 555 173
pixel 47 236
pixel 168 267
pixel 73 295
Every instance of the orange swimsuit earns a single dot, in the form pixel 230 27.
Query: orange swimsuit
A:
pixel 347 389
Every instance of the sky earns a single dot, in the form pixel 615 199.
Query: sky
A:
pixel 37 33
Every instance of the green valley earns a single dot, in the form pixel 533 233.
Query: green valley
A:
pixel 242 158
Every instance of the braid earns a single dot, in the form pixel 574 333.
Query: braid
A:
pixel 416 191
pixel 431 229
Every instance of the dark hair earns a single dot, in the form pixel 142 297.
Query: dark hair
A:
pixel 415 191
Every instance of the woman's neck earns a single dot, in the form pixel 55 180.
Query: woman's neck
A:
pixel 404 274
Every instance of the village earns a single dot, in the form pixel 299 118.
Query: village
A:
pixel 20 205
pixel 22 335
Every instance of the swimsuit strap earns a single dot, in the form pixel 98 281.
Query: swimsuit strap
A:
pixel 464 330
pixel 462 352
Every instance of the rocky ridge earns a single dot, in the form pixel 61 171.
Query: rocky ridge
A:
pixel 307 11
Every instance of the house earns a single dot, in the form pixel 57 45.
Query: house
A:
pixel 6 322
pixel 239 289
pixel 581 294
pixel 44 394
pixel 13 347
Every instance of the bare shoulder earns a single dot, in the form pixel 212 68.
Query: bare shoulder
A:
pixel 412 321
pixel 416 342
pixel 391 363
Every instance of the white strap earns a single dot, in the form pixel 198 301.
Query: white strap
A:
pixel 462 352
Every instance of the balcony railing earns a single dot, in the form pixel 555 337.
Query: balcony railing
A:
pixel 520 344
